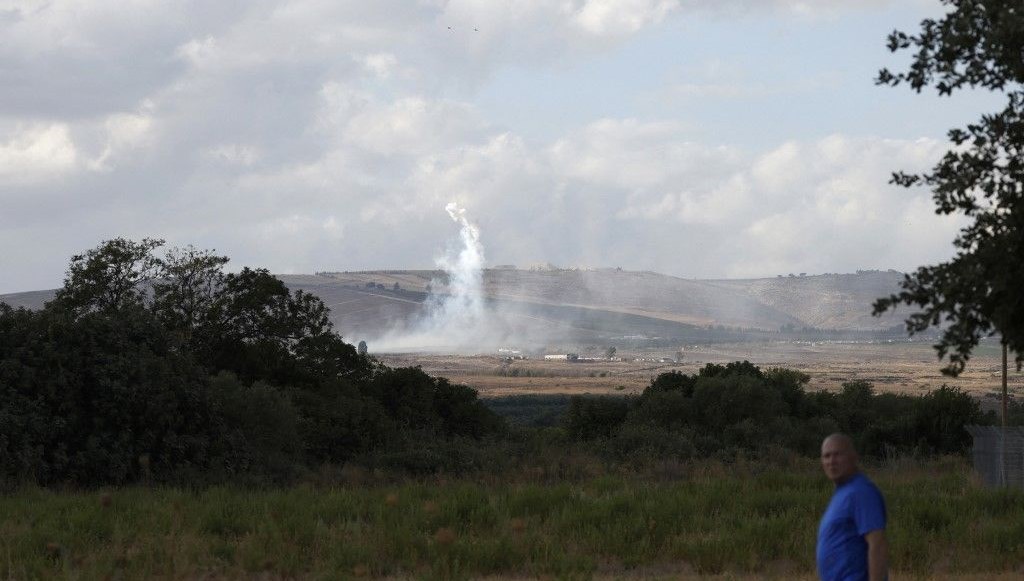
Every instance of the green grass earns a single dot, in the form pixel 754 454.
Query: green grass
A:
pixel 713 519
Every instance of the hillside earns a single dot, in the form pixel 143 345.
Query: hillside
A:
pixel 591 305
pixel 830 301
pixel 833 302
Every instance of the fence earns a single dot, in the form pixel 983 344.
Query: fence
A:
pixel 999 458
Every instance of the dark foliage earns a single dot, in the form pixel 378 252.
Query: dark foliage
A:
pixel 102 397
pixel 534 411
pixel 739 407
pixel 672 381
pixel 168 369
pixel 595 417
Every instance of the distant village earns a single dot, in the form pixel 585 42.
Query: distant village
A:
pixel 510 354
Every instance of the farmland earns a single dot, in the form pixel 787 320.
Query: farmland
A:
pixel 900 367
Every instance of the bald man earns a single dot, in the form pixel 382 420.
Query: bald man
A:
pixel 851 536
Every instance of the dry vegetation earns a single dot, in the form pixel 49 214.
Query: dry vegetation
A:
pixel 907 367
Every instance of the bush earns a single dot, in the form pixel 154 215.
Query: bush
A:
pixel 101 398
pixel 262 428
pixel 667 410
pixel 733 408
pixel 595 417
pixel 941 419
pixel 644 443
pixel 671 381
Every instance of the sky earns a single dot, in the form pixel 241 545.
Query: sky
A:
pixel 698 138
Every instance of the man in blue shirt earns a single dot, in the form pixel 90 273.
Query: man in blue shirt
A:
pixel 851 537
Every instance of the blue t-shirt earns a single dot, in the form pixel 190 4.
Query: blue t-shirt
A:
pixel 856 509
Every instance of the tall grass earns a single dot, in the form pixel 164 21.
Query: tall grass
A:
pixel 745 518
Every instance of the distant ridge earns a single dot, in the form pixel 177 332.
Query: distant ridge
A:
pixel 591 305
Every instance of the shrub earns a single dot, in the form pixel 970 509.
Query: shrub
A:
pixel 262 427
pixel 671 381
pixel 730 408
pixel 592 417
pixel 99 398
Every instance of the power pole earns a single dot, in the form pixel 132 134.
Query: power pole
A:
pixel 1005 402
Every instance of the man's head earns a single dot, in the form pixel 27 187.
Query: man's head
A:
pixel 838 458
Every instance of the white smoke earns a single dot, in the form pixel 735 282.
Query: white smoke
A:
pixel 463 307
pixel 456 316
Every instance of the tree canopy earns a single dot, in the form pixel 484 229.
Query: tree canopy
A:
pixel 167 367
pixel 978 293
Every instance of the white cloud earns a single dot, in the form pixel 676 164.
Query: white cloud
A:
pixel 198 52
pixel 44 152
pixel 809 9
pixel 234 154
pixel 780 168
pixel 124 132
pixel 381 64
pixel 631 154
pixel 36 153
pixel 410 125
pixel 617 17
pixel 827 203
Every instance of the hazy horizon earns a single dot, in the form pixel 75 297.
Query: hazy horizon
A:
pixel 533 268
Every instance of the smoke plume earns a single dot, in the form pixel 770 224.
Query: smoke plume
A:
pixel 456 317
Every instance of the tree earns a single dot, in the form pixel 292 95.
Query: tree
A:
pixel 259 329
pixel 110 276
pixel 168 369
pixel 978 293
pixel 98 397
pixel 188 285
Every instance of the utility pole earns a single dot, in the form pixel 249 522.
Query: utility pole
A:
pixel 1005 405
pixel 1005 401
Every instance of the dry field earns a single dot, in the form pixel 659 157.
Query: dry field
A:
pixel 904 367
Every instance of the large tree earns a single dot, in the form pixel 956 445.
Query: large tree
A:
pixel 977 44
pixel 166 367
pixel 112 276
pixel 189 281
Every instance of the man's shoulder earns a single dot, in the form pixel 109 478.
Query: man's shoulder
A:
pixel 868 506
pixel 861 484
pixel 859 490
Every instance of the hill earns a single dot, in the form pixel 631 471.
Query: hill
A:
pixel 575 306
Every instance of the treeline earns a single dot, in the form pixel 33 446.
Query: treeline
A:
pixel 739 408
pixel 168 369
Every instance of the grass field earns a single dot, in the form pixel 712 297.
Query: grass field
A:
pixel 744 520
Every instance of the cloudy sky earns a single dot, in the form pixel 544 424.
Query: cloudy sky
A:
pixel 701 138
